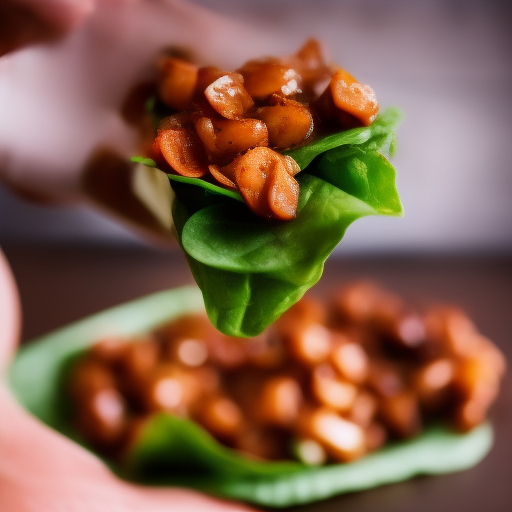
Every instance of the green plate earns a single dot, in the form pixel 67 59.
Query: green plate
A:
pixel 175 451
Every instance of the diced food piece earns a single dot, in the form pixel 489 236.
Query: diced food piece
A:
pixel 182 149
pixel 168 388
pixel 312 65
pixel 354 98
pixel 191 352
pixel 222 417
pixel 279 401
pixel 433 382
pixel 401 414
pixel 332 391
pixel 310 343
pixel 177 82
pixel 283 194
pixel 289 123
pixel 265 184
pixel 351 361
pixel 228 96
pixel 88 378
pixel 225 139
pixel 291 165
pixel 364 409
pixel 220 174
pixel 102 418
pixel 265 77
pixel 384 380
pixel 139 359
pixel 108 350
pixel 206 76
pixel 375 436
pixel 343 440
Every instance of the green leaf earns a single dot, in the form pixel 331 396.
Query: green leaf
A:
pixel 249 270
pixel 206 185
pixel 374 137
pixel 169 445
pixel 148 162
pixel 366 175
pixel 175 451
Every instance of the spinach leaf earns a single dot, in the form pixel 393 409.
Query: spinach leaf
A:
pixel 191 457
pixel 374 138
pixel 249 270
pixel 209 187
pixel 176 451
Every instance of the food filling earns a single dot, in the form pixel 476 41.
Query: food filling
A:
pixel 232 128
pixel 328 382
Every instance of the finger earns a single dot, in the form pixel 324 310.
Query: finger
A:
pixel 24 22
pixel 42 470
pixel 10 313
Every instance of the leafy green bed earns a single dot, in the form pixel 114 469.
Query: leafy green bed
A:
pixel 251 270
pixel 175 451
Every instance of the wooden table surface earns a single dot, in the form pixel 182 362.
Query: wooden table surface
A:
pixel 60 285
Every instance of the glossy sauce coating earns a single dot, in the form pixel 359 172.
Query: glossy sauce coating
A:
pixel 273 103
pixel 327 382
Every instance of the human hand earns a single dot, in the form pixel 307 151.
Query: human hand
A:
pixel 42 470
pixel 61 102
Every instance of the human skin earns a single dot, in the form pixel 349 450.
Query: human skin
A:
pixel 60 100
pixel 42 470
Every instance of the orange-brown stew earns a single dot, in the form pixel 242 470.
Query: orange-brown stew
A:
pixel 231 127
pixel 325 383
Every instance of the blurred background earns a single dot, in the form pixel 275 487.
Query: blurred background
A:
pixel 446 63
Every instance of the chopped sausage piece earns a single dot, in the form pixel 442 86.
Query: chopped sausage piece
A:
pixel 343 440
pixel 265 184
pixel 102 417
pixel 350 359
pixel 228 96
pixel 265 77
pixel 222 177
pixel 363 409
pixel 225 139
pixel 89 377
pixel 312 65
pixel 177 82
pixel 433 381
pixel 183 151
pixel 375 436
pixel 283 194
pixel 332 391
pixel 354 98
pixel 139 358
pixel 279 401
pixel 289 123
pixel 169 388
pixel 291 165
pixel 401 414
pixel 310 343
pixel 221 416
pixel 108 350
